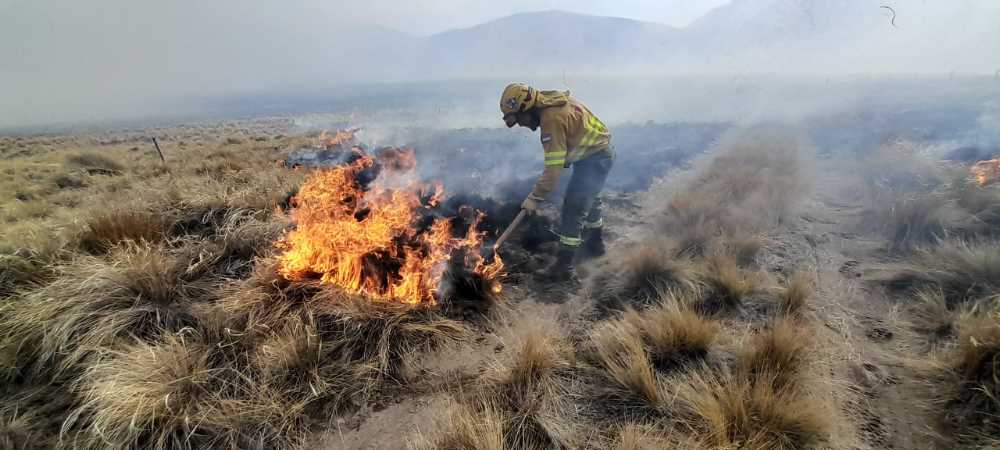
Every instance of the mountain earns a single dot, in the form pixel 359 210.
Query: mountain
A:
pixel 63 59
pixel 547 41
pixel 742 36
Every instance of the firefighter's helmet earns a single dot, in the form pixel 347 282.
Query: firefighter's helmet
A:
pixel 516 97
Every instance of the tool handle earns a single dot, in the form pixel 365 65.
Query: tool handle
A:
pixel 510 229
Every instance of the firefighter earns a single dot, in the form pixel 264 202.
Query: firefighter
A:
pixel 571 136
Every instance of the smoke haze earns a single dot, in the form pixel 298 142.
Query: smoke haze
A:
pixel 65 61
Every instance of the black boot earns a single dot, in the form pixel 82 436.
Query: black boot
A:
pixel 593 243
pixel 561 270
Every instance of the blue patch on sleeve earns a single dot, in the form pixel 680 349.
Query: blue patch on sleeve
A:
pixel 546 137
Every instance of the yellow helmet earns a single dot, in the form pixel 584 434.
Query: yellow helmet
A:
pixel 516 97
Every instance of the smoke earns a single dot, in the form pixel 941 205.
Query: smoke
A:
pixel 988 124
pixel 64 61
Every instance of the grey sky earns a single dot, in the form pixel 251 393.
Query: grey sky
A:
pixel 70 60
pixel 430 16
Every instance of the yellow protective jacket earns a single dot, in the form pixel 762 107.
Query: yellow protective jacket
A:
pixel 569 133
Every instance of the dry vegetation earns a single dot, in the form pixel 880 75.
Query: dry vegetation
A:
pixel 669 360
pixel 142 303
pixel 142 308
pixel 915 201
pixel 941 228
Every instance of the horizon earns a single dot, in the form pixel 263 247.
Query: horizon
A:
pixel 66 62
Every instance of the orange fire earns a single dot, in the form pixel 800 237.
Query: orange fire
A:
pixel 338 139
pixel 368 241
pixel 986 172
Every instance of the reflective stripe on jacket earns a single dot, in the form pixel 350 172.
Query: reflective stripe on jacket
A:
pixel 569 133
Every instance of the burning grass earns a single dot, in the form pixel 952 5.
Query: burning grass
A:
pixel 365 240
pixel 177 324
pixel 188 329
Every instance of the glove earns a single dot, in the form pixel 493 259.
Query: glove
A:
pixel 530 204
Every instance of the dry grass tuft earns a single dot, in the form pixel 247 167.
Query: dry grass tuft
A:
pixel 295 361
pixel 27 255
pixel 932 315
pixel 16 271
pixel 727 284
pixel 540 356
pixel 640 273
pixel 382 336
pixel 479 427
pixel 747 188
pixel 621 352
pixel 735 412
pixel 793 298
pixel 180 394
pixel 94 163
pixel 106 229
pixel 976 400
pixel 916 202
pixel 910 220
pixel 646 437
pixel 18 431
pixel 745 249
pixel 523 403
pixel 777 354
pixel 962 270
pixel 95 303
pixel 673 333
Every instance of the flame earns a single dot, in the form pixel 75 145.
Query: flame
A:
pixel 338 139
pixel 370 242
pixel 986 172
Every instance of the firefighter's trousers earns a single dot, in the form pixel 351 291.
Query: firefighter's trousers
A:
pixel 582 207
